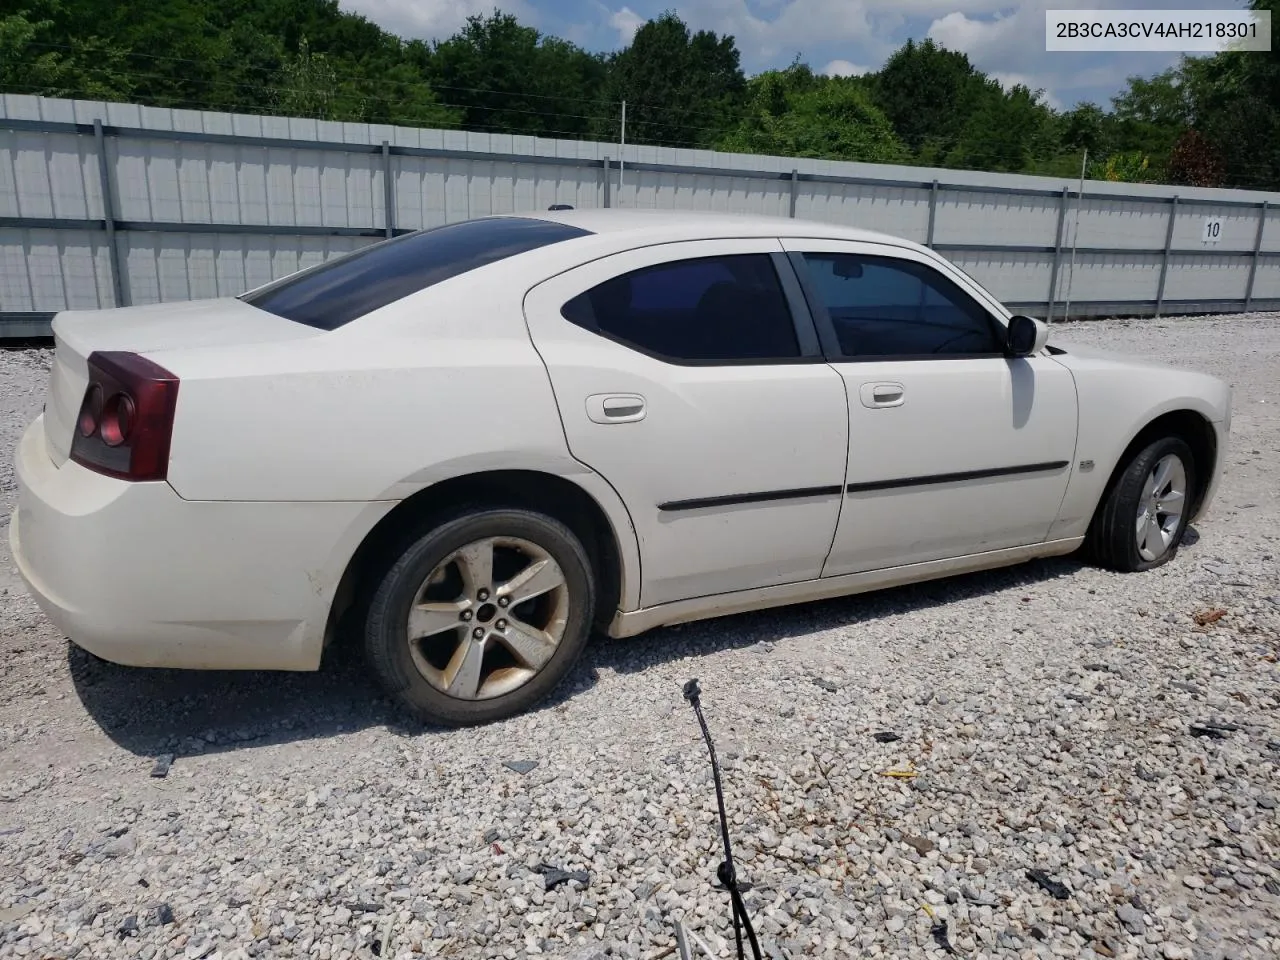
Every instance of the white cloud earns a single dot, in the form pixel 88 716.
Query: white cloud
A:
pixel 861 31
pixel 804 24
pixel 1000 36
pixel 957 31
pixel 433 19
pixel 626 21
pixel 1009 44
pixel 843 68
pixel 799 25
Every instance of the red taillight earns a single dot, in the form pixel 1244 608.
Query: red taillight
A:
pixel 90 410
pixel 117 419
pixel 126 418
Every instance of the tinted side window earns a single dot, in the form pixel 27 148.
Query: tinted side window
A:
pixel 710 309
pixel 346 288
pixel 882 307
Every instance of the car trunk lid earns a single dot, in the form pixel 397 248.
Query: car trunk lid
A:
pixel 158 326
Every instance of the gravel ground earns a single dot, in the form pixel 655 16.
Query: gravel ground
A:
pixel 1045 711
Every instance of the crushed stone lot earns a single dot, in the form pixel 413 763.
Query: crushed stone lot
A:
pixel 1046 712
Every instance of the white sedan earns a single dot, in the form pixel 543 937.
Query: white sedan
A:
pixel 467 447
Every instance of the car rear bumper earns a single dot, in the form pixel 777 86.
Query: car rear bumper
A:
pixel 136 575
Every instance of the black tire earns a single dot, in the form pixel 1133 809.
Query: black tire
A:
pixel 1112 538
pixel 387 647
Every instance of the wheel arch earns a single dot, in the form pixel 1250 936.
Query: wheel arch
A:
pixel 1191 426
pixel 605 530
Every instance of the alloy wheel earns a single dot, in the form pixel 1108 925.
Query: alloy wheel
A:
pixel 1160 507
pixel 488 618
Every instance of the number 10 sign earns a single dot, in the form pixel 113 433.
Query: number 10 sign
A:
pixel 1212 230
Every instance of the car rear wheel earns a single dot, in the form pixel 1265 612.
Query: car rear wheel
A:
pixel 482 616
pixel 1140 523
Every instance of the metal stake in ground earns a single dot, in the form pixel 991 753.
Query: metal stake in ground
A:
pixel 726 872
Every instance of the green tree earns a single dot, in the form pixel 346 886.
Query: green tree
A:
pixel 243 55
pixel 1234 102
pixel 508 78
pixel 398 94
pixel 682 88
pixel 307 84
pixel 793 113
pixel 1152 113
pixel 1194 161
pixel 1208 120
pixel 927 92
pixel 37 57
pixel 1086 127
pixel 1005 131
pixel 1132 166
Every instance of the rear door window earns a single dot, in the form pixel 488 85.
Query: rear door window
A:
pixel 725 309
pixel 346 288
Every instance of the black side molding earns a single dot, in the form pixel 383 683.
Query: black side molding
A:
pixel 733 499
pixel 800 493
pixel 955 477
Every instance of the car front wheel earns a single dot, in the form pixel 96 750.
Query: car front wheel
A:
pixel 482 616
pixel 1145 514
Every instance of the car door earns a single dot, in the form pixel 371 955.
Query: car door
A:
pixel 685 379
pixel 954 447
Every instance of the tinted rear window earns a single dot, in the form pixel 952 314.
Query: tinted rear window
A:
pixel 337 292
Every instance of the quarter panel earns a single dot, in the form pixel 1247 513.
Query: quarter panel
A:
pixel 358 415
pixel 1118 398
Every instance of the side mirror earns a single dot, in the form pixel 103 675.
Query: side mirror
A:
pixel 1026 337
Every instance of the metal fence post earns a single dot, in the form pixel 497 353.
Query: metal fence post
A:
pixel 388 191
pixel 109 215
pixel 1057 254
pixel 1168 245
pixel 795 177
pixel 1257 251
pixel 933 214
pixel 606 181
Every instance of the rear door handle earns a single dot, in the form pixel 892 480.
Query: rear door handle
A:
pixel 615 407
pixel 884 394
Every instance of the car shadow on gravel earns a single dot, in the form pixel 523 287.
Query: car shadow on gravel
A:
pixel 781 623
pixel 150 712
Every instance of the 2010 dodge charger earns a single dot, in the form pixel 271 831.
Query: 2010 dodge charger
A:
pixel 472 444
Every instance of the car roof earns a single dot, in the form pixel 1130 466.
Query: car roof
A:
pixel 699 224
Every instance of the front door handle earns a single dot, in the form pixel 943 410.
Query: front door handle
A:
pixel 615 407
pixel 883 394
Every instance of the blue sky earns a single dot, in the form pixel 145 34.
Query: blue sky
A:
pixel 1006 39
